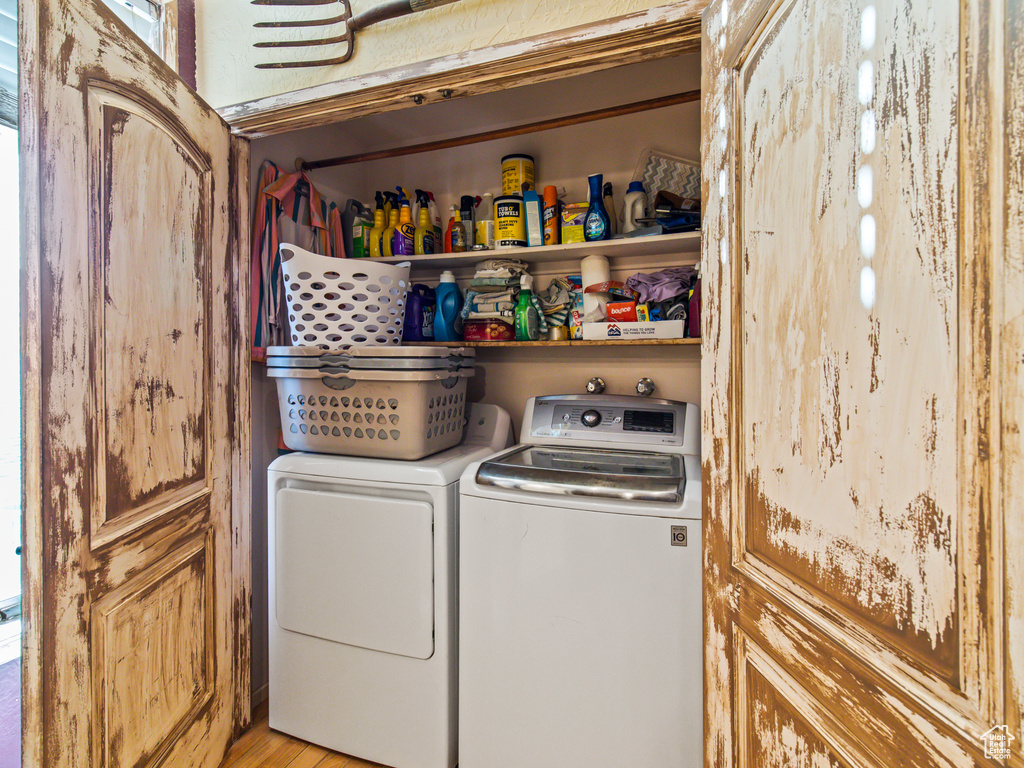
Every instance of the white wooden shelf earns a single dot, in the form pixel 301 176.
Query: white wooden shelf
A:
pixel 685 244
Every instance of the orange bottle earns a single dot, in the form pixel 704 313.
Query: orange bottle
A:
pixel 550 216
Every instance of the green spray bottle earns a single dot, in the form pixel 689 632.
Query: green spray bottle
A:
pixel 527 321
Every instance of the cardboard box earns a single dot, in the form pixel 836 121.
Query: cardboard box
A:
pixel 666 329
pixel 573 216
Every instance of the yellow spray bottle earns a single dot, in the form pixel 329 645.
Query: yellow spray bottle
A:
pixel 424 239
pixel 389 234
pixel 378 229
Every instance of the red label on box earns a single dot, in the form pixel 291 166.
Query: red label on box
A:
pixel 622 311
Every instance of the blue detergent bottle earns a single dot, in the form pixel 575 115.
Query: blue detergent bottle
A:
pixel 597 225
pixel 447 320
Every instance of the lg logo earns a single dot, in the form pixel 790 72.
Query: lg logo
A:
pixel 678 535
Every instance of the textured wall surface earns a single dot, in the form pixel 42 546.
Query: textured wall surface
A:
pixel 225 68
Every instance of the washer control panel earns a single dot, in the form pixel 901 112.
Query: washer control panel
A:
pixel 633 421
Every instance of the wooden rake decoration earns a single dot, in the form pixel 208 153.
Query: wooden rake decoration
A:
pixel 351 24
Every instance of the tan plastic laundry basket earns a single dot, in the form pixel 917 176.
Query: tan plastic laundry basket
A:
pixel 395 414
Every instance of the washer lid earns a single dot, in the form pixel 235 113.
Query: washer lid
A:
pixel 627 475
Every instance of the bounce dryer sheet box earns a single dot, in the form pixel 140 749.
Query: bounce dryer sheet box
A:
pixel 665 329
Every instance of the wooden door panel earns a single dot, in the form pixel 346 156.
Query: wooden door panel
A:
pixel 151 266
pixel 153 642
pixel 136 367
pixel 848 401
pixel 852 242
pixel 783 727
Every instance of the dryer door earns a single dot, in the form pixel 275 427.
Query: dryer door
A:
pixel 356 570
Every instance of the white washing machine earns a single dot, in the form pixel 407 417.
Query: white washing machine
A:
pixel 363 598
pixel 580 633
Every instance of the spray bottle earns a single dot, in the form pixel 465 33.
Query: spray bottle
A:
pixel 388 238
pixel 405 232
pixel 435 217
pixel 390 204
pixel 378 228
pixel 423 239
pixel 527 321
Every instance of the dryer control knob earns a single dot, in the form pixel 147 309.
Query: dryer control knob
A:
pixel 590 418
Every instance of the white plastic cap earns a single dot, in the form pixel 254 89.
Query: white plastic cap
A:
pixel 526 282
pixel 447 277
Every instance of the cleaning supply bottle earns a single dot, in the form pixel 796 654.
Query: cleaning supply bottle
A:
pixel 634 206
pixel 551 221
pixel 420 307
pixel 390 204
pixel 405 233
pixel 485 221
pixel 596 224
pixel 435 218
pixel 527 321
pixel 467 208
pixel 353 216
pixel 459 239
pixel 609 208
pixel 388 238
pixel 447 320
pixel 423 239
pixel 377 232
pixel 414 203
pixel 448 232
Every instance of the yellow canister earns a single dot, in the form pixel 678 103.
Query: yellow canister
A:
pixel 509 222
pixel 516 170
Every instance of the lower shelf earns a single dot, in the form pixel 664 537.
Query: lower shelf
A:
pixel 570 343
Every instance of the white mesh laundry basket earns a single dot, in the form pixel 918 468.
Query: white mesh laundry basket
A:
pixel 335 303
pixel 395 414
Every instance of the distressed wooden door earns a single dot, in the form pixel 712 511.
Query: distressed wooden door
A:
pixel 862 385
pixel 135 403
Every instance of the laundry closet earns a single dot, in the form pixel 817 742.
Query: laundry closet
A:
pixel 508 373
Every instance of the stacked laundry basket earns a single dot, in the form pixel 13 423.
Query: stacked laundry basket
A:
pixel 347 387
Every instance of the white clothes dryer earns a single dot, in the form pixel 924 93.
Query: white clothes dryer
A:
pixel 580 634
pixel 363 598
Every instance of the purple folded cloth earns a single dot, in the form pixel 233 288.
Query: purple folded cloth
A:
pixel 661 286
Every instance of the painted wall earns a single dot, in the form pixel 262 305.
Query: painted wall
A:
pixel 226 57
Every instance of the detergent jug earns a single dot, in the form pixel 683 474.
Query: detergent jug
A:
pixel 420 304
pixel 447 320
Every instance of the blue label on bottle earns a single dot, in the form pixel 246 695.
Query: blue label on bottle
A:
pixel 428 243
pixel 594 228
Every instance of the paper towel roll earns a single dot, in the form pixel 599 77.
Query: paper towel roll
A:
pixel 594 269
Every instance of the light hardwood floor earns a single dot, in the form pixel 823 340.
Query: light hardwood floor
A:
pixel 260 747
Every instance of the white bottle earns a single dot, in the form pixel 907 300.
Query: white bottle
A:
pixel 634 206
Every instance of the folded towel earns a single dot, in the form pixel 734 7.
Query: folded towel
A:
pixel 492 306
pixel 494 283
pixel 489 315
pixel 509 265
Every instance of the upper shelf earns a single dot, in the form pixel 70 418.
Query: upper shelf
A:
pixel 687 243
